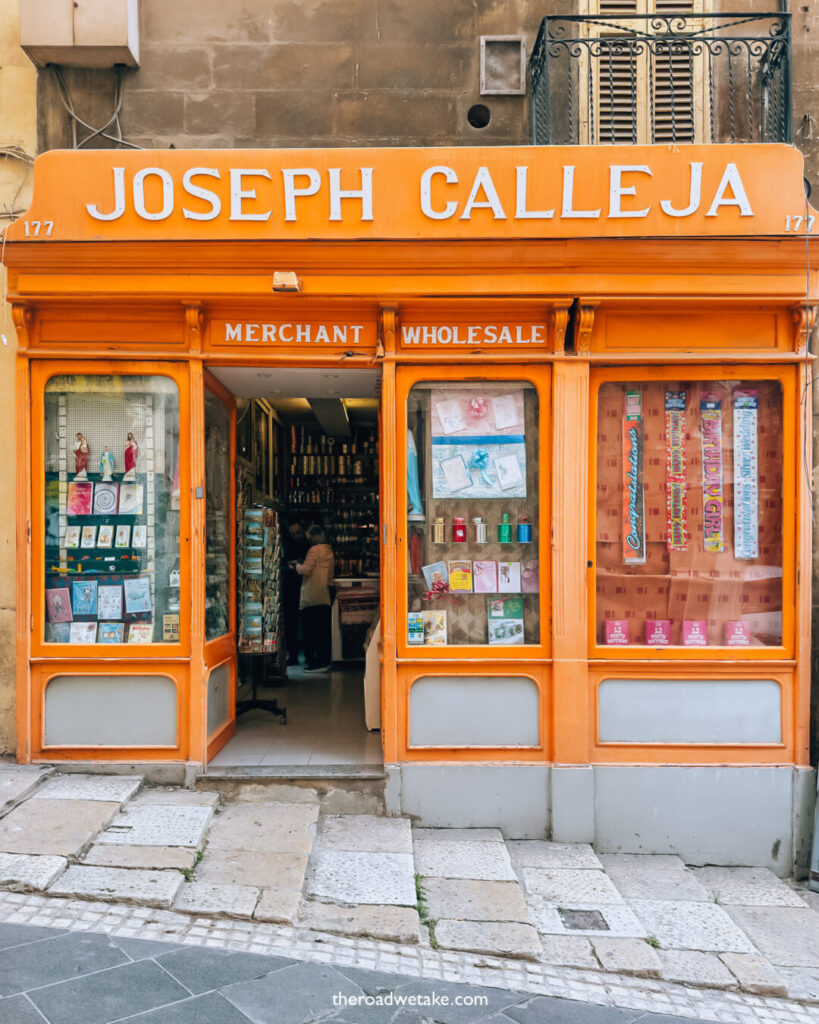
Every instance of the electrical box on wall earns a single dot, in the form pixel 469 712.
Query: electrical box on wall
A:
pixel 80 33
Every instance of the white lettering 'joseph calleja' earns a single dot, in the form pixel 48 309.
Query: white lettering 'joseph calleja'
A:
pixel 255 194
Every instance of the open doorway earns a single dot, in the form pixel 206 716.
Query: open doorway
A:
pixel 305 546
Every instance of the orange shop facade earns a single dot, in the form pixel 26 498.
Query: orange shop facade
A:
pixel 594 501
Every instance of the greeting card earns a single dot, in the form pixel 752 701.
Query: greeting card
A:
pixel 139 538
pixel 617 631
pixel 137 594
pixel 58 632
pixel 415 627
pixel 529 577
pixel 72 537
pixel 170 628
pixel 485 577
pixel 737 634
pixel 105 538
pixel 508 577
pixel 456 474
pixel 105 499
pixel 695 633
pixel 658 632
pixel 141 633
pixel 505 620
pixel 109 602
pixel 111 632
pixel 123 538
pixel 434 628
pixel 83 633
pixel 89 537
pixel 436 575
pixel 510 476
pixel 84 597
pixel 130 500
pixel 460 575
pixel 80 498
pixel 58 604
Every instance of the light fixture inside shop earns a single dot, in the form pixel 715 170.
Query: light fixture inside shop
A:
pixel 286 281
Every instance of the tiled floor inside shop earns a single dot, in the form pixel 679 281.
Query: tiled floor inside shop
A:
pixel 325 725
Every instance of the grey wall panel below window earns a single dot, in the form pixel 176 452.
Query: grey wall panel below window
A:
pixel 110 711
pixel 474 711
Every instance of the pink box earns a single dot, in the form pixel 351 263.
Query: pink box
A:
pixel 658 632
pixel 737 634
pixel 695 633
pixel 617 631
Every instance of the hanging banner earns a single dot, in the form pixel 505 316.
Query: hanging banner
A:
pixel 634 520
pixel 675 482
pixel 712 500
pixel 746 484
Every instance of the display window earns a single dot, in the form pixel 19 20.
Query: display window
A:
pixel 112 510
pixel 690 549
pixel 218 532
pixel 473 515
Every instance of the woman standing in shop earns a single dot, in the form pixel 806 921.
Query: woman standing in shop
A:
pixel 317 577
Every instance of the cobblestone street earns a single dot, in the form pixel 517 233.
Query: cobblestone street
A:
pixel 272 870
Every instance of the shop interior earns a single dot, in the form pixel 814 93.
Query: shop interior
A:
pixel 306 455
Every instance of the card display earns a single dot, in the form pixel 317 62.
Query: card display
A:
pixel 111 632
pixel 84 597
pixel 675 478
pixel 505 620
pixel 508 577
pixel 80 498
pixel 746 472
pixel 58 605
pixel 712 501
pixel 485 577
pixel 130 499
pixel 105 538
pixel 109 602
pixel 72 537
pixel 83 633
pixel 105 499
pixel 634 520
pixel 137 594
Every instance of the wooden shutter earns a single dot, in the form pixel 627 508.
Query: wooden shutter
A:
pixel 674 78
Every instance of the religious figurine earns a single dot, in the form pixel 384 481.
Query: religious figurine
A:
pixel 416 511
pixel 131 456
pixel 81 452
pixel 107 464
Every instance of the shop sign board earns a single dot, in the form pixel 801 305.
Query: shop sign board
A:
pixel 421 193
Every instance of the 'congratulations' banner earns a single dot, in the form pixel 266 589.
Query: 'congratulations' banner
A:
pixel 746 485
pixel 712 500
pixel 675 483
pixel 634 521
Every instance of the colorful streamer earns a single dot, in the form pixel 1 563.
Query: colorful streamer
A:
pixel 675 482
pixel 712 500
pixel 634 521
pixel 746 483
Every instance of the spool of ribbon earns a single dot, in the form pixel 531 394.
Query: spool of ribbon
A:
pixel 480 459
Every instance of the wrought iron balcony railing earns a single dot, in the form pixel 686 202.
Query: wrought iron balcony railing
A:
pixel 662 78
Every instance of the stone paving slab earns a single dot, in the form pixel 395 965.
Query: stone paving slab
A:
pixel 690 967
pixel 391 924
pixel 341 876
pixel 455 835
pixel 150 888
pixel 64 828
pixel 366 833
pixel 627 956
pixel 692 926
pixel 257 792
pixel 568 951
pixel 17 781
pixel 754 974
pixel 788 937
pixel 538 853
pixel 486 861
pixel 567 886
pixel 748 887
pixel 802 983
pixel 496 938
pixel 278 905
pixel 265 827
pixel 23 872
pixel 170 797
pixel 249 867
pixel 222 900
pixel 90 787
pixel 472 900
pixel 158 826
pixel 638 878
pixel 618 920
pixel 109 855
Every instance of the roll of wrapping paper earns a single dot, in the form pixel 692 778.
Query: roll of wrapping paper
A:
pixel 634 520
pixel 746 482
pixel 675 482
pixel 713 509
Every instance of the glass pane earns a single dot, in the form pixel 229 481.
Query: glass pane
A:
pixel 217 538
pixel 112 510
pixel 472 500
pixel 689 513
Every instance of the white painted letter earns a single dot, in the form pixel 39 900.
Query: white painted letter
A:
pixel 233 332
pixel 139 193
pixel 119 199
pixel 451 178
pixel 617 189
pixel 732 178
pixel 290 190
pixel 483 180
pixel 237 193
pixel 694 195
pixel 521 213
pixel 201 193
pixel 568 198
pixel 365 193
